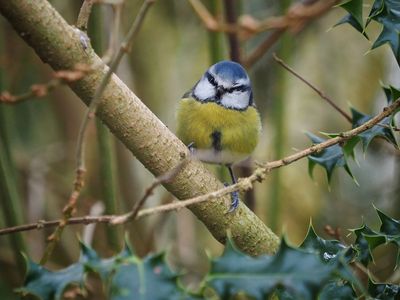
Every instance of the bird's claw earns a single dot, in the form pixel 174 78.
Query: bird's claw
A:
pixel 191 148
pixel 234 200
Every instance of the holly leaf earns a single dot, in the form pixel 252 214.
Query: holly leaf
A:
pixel 368 239
pixel 332 252
pixel 383 291
pixel 107 267
pixel 150 278
pixel 337 290
pixel 125 275
pixel 390 229
pixel 328 158
pixel 383 129
pixel 387 13
pixel 50 285
pixel 355 16
pixel 364 246
pixel 391 93
pixel 328 250
pixel 300 273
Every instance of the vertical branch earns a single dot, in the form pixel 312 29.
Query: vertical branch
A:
pixel 279 119
pixel 234 52
pixel 107 158
pixel 231 18
pixel 84 15
pixel 70 207
pixel 9 197
pixel 214 37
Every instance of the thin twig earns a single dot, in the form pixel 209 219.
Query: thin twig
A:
pixel 295 20
pixel 209 20
pixel 244 183
pixel 263 48
pixel 70 207
pixel 314 88
pixel 84 14
pixel 389 127
pixel 114 36
pixel 41 90
pixel 231 17
pixel 164 178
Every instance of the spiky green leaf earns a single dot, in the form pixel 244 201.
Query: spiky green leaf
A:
pixel 326 249
pixel 387 13
pixel 328 158
pixel 150 278
pixel 384 291
pixel 301 272
pixel 355 16
pixel 337 290
pixel 49 285
pixel 125 276
pixel 382 129
pixel 368 239
pixel 365 246
pixel 391 93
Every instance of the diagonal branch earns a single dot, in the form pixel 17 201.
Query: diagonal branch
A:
pixel 152 143
pixel 299 15
pixel 315 89
pixel 70 207
pixel 243 184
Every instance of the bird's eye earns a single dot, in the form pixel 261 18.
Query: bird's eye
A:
pixel 239 88
pixel 211 79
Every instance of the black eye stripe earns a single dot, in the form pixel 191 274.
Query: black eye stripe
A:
pixel 211 79
pixel 239 88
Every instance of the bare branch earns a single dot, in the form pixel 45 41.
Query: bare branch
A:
pixel 315 89
pixel 244 183
pixel 263 48
pixel 84 14
pixel 298 16
pixel 41 90
pixel 165 178
pixel 70 207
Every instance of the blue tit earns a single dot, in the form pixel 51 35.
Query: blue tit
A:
pixel 218 118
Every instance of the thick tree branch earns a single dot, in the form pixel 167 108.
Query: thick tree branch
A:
pixel 57 43
pixel 70 207
pixel 243 184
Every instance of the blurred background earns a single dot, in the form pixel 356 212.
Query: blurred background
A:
pixel 38 136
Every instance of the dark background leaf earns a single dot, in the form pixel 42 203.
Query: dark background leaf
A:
pixel 329 158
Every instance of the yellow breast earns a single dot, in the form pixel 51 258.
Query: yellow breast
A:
pixel 220 135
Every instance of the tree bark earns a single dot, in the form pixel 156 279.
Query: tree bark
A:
pixel 159 150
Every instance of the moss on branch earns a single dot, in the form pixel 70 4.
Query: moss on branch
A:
pixel 57 43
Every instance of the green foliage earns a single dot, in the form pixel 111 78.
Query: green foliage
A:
pixel 318 268
pixel 368 239
pixel 301 273
pixel 337 155
pixel 46 284
pixel 355 16
pixel 383 291
pixel 385 12
pixel 383 130
pixel 328 158
pixel 337 290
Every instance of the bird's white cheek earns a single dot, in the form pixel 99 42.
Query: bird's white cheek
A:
pixel 238 100
pixel 204 90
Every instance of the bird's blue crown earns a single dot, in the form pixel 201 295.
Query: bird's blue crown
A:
pixel 229 70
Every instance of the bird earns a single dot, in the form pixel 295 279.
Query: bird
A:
pixel 218 119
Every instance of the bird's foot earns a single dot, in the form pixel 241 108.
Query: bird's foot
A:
pixel 191 148
pixel 234 200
